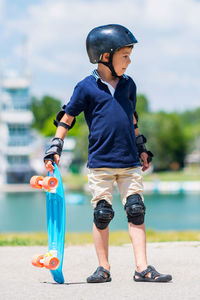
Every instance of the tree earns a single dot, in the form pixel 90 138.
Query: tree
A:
pixel 142 105
pixel 49 129
pixel 191 126
pixel 190 116
pixel 44 111
pixel 80 133
pixel 166 139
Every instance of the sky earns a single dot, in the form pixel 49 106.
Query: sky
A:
pixel 47 39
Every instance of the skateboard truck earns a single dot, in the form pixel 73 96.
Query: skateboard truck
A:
pixel 49 260
pixel 48 183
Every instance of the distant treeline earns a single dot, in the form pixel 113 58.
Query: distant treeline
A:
pixel 170 136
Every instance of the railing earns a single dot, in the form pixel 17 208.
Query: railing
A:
pixel 19 141
pixel 16 103
pixel 18 107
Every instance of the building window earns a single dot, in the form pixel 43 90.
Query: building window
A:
pixel 19 98
pixel 17 159
pixel 18 129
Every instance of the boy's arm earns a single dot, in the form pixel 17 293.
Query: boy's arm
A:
pixel 61 133
pixel 143 155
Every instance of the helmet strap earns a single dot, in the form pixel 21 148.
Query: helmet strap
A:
pixel 109 64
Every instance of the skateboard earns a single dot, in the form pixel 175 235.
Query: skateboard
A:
pixel 55 210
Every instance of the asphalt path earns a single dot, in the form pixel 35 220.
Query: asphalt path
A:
pixel 19 280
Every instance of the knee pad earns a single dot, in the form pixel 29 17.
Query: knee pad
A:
pixel 135 209
pixel 103 214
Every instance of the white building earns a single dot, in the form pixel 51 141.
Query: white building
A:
pixel 15 135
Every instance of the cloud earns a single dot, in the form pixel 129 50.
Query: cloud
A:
pixel 1 10
pixel 164 60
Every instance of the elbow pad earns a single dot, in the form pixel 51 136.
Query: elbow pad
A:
pixel 59 116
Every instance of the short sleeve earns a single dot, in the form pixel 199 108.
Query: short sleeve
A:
pixel 77 102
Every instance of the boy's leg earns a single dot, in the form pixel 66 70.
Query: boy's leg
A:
pixel 129 182
pixel 100 183
pixel 138 239
pixel 101 238
pixel 131 188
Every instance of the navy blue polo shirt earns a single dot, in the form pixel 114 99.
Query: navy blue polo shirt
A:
pixel 110 121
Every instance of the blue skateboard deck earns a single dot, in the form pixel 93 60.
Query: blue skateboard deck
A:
pixel 55 207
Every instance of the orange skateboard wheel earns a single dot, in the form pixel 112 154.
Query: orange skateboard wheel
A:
pixel 51 262
pixel 34 182
pixel 50 183
pixel 36 260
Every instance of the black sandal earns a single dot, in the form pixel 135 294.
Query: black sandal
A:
pixel 99 276
pixel 154 274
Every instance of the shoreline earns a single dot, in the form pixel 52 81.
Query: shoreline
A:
pixel 149 187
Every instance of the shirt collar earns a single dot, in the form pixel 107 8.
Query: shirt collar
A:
pixel 95 74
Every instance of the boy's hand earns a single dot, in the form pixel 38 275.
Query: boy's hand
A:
pixel 145 163
pixel 49 165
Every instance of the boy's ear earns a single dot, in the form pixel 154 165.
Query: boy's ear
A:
pixel 105 57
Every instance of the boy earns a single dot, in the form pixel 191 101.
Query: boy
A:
pixel 108 99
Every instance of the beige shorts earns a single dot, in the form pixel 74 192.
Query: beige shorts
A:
pixel 101 180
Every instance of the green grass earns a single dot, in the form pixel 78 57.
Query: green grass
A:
pixel 23 239
pixel 77 181
pixel 117 238
pixel 173 176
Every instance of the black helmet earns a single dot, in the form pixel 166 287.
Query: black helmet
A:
pixel 107 39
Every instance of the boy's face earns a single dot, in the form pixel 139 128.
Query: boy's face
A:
pixel 121 60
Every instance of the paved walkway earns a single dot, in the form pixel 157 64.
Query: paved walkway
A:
pixel 20 281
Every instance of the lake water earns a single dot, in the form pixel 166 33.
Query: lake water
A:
pixel 26 212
